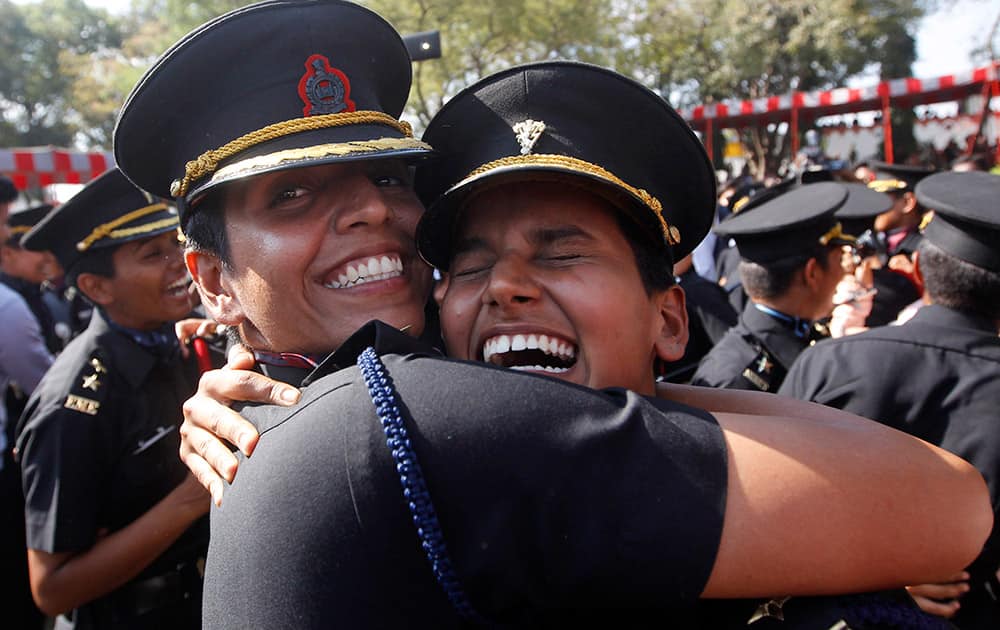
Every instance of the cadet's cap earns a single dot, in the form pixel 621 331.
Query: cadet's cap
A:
pixel 271 86
pixel 761 195
pixel 21 222
pixel 573 122
pixel 107 212
pixel 862 206
pixel 897 178
pixel 789 224
pixel 863 202
pixel 966 220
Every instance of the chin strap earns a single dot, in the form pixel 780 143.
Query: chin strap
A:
pixel 383 395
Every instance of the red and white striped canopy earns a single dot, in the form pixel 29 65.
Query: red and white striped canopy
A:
pixel 42 166
pixel 902 92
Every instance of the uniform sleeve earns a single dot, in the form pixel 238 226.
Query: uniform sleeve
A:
pixel 586 499
pixel 64 450
pixel 23 355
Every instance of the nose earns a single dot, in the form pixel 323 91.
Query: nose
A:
pixel 362 205
pixel 511 283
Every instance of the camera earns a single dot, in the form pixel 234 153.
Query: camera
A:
pixel 870 243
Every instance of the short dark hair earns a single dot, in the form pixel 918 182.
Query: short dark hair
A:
pixel 8 191
pixel 654 261
pixel 958 284
pixel 205 228
pixel 770 280
pixel 99 262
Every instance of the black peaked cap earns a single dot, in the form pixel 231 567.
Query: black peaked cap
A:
pixel 107 212
pixel 271 86
pixel 762 195
pixel 790 224
pixel 966 221
pixel 573 122
pixel 862 206
pixel 863 202
pixel 897 178
pixel 21 222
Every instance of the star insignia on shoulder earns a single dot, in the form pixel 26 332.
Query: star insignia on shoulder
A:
pixel 98 366
pixel 771 609
pixel 91 382
pixel 764 365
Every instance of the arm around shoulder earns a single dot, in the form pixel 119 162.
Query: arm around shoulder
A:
pixel 821 506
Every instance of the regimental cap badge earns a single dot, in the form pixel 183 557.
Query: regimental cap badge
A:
pixel 324 89
pixel 528 132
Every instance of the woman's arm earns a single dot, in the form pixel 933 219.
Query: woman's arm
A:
pixel 63 581
pixel 821 506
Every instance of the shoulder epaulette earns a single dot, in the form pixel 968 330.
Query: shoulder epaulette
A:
pixel 764 372
pixel 88 390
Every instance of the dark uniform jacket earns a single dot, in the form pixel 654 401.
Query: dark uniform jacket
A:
pixel 710 316
pixel 556 503
pixel 936 377
pixel 98 447
pixel 755 354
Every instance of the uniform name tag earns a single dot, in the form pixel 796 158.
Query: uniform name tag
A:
pixel 83 405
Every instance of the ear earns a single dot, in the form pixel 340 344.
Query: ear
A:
pixel 441 287
pixel 98 289
pixel 672 336
pixel 215 287
pixel 811 273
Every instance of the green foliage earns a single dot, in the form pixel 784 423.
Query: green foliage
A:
pixel 479 38
pixel 66 68
pixel 34 86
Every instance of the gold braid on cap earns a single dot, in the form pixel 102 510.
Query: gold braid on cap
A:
pixel 108 229
pixel 19 229
pixel 887 185
pixel 835 232
pixel 926 220
pixel 207 162
pixel 670 233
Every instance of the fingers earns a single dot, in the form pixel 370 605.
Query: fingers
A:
pixel 207 414
pixel 231 384
pixel 206 475
pixel 941 609
pixel 940 599
pixel 947 590
pixel 239 358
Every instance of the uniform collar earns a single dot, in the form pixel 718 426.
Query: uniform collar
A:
pixel 940 315
pixel 135 361
pixel 384 338
pixel 774 334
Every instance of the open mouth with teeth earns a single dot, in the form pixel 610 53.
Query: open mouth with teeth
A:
pixel 179 287
pixel 371 270
pixel 528 352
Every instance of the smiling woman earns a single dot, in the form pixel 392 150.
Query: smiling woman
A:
pixel 550 261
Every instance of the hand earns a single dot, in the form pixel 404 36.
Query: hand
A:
pixel 208 419
pixel 187 329
pixel 941 599
pixel 853 301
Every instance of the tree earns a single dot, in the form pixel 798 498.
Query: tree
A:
pixel 479 38
pixel 35 88
pixel 722 49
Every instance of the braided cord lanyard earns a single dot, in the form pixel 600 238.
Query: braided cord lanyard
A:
pixel 867 611
pixel 383 395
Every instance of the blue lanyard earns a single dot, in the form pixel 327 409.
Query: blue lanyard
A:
pixel 801 327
